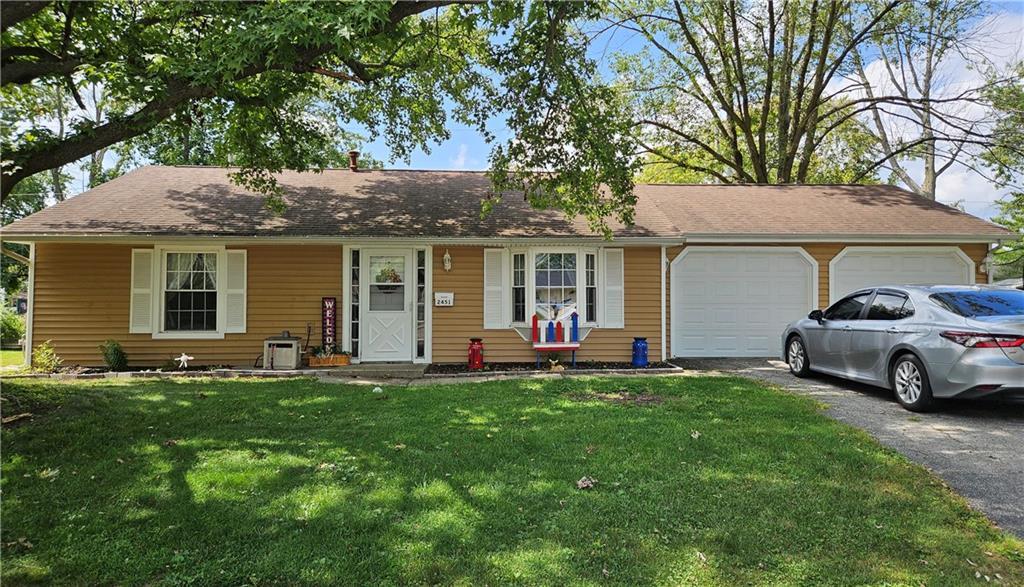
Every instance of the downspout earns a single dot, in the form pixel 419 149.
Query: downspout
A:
pixel 664 263
pixel 31 303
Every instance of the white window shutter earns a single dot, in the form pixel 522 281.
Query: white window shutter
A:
pixel 495 277
pixel 234 290
pixel 614 289
pixel 140 318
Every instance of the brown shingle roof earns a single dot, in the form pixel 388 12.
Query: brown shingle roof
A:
pixel 446 204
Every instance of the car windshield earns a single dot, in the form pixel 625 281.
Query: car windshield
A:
pixel 981 304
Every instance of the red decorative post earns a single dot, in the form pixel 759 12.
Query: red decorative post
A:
pixel 476 354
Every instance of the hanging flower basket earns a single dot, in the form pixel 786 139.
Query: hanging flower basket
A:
pixel 387 275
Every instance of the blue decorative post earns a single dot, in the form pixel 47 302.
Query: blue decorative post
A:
pixel 549 334
pixel 639 352
pixel 575 336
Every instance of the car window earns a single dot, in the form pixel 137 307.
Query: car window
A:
pixel 890 306
pixel 847 309
pixel 981 304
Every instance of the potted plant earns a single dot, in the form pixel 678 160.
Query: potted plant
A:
pixel 328 356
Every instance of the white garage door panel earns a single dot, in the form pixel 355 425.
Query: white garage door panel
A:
pixel 859 267
pixel 734 302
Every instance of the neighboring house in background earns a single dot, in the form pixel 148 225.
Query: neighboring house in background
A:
pixel 172 259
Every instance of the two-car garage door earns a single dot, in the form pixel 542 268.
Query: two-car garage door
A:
pixel 735 301
pixel 859 267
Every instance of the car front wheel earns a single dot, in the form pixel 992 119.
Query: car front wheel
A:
pixel 910 384
pixel 796 356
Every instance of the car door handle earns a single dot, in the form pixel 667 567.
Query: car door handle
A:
pixel 893 330
pixel 847 328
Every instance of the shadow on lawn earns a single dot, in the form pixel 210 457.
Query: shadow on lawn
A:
pixel 302 482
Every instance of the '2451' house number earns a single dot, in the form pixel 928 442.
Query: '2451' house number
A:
pixel 444 299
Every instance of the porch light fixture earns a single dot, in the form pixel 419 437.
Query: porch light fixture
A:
pixel 447 260
pixel 987 263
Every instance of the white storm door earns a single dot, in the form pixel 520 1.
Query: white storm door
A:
pixel 388 282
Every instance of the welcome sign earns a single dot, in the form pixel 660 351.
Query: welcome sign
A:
pixel 329 316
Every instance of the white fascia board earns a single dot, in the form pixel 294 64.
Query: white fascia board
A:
pixel 353 240
pixel 839 238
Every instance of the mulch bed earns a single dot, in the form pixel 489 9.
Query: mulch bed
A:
pixel 458 368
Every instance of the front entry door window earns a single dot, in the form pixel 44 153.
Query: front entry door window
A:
pixel 388 321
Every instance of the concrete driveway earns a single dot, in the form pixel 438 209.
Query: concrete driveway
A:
pixel 976 447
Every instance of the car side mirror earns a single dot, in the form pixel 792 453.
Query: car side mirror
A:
pixel 817 316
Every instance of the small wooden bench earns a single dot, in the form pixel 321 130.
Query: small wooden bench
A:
pixel 552 336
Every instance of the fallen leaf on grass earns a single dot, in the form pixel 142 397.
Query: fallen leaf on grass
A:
pixel 170 442
pixel 49 474
pixel 695 435
pixel 399 446
pixel 586 483
pixel 15 418
pixel 702 557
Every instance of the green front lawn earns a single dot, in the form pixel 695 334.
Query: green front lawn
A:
pixel 9 358
pixel 715 481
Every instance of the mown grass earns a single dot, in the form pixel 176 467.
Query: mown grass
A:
pixel 10 358
pixel 255 482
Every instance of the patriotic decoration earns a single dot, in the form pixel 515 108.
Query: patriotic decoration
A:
pixel 556 335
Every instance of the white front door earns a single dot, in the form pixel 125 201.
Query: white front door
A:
pixel 388 282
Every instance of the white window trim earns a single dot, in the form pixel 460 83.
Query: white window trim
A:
pixel 531 290
pixel 160 282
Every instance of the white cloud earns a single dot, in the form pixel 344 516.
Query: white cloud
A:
pixel 460 160
pixel 997 40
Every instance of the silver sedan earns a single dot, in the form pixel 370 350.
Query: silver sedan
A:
pixel 923 342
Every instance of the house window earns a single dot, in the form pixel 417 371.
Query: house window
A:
pixel 190 292
pixel 555 285
pixel 519 288
pixel 354 305
pixel 590 277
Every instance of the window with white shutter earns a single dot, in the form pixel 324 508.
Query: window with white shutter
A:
pixel 495 286
pixel 141 311
pixel 188 292
pixel 613 300
pixel 235 291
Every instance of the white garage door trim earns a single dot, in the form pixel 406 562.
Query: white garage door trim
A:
pixel 833 294
pixel 812 285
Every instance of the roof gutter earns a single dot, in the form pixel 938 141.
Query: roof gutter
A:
pixel 690 239
pixel 327 240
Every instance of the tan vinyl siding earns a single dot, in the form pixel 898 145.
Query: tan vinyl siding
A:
pixel 823 253
pixel 454 326
pixel 82 299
